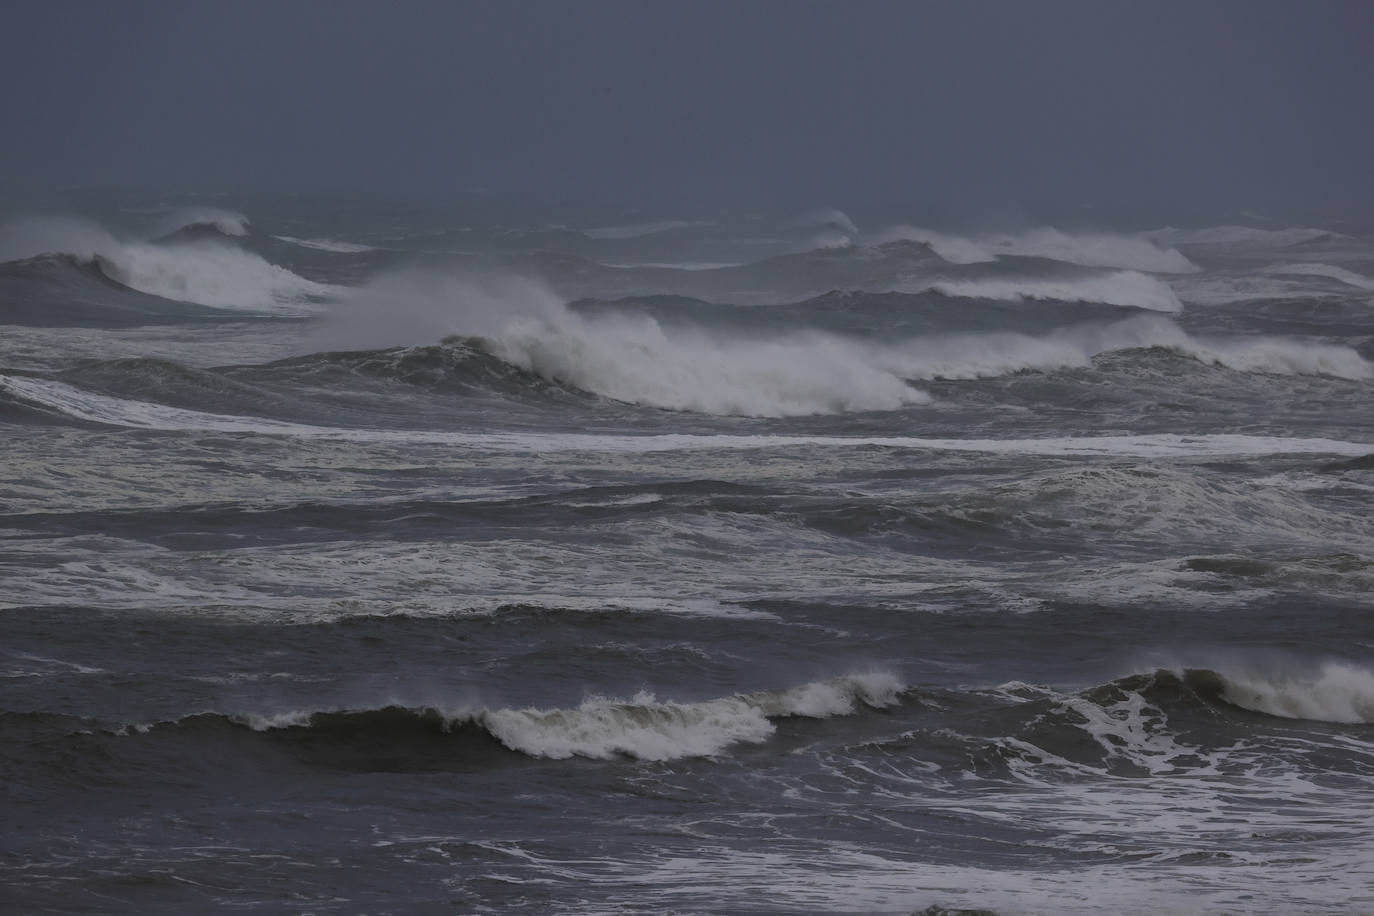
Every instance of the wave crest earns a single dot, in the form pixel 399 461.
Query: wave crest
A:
pixel 642 727
pixel 205 271
pixel 1335 692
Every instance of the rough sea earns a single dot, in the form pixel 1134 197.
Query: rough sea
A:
pixel 359 561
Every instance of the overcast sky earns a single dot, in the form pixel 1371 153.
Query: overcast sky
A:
pixel 1045 105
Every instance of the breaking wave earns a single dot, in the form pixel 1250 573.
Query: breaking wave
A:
pixel 1335 692
pixel 225 222
pixel 637 359
pixel 205 271
pixel 1155 722
pixel 642 727
pixel 629 358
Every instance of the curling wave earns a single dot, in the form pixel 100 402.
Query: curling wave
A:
pixel 1335 692
pixel 201 270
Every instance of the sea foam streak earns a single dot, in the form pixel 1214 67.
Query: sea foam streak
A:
pixel 98 408
pixel 204 271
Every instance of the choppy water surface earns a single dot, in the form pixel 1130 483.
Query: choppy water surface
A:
pixel 685 567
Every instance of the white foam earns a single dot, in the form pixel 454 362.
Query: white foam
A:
pixel 629 358
pixel 643 726
pixel 210 273
pixel 99 408
pixel 651 729
pixel 1337 692
pixel 205 271
pixel 638 360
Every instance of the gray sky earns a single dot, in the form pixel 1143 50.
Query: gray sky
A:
pixel 1046 106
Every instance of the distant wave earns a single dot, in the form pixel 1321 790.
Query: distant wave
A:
pixel 1085 249
pixel 634 358
pixel 1123 288
pixel 642 229
pixel 1330 271
pixel 205 271
pixel 327 245
pixel 826 218
pixel 225 222
pixel 990 354
pixel 637 360
pixel 1239 235
pixel 630 358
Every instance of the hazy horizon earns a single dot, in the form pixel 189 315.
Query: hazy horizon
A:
pixel 1062 111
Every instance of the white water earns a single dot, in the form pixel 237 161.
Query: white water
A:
pixel 647 728
pixel 206 271
pixel 639 360
pixel 1336 692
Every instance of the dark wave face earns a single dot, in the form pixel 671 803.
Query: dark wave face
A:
pixel 374 564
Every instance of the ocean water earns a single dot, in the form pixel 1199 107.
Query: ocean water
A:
pixel 354 562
